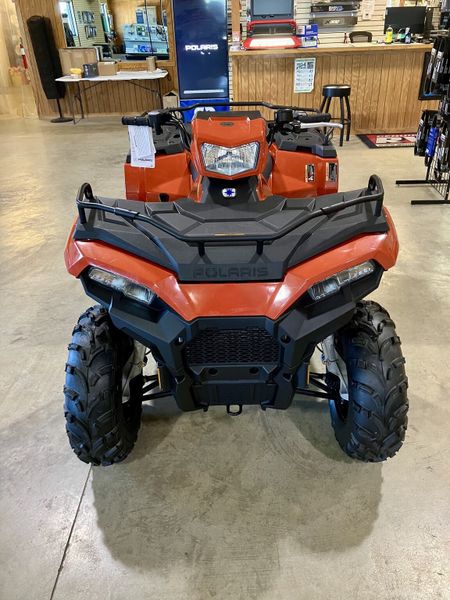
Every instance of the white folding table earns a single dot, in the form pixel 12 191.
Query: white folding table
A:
pixel 136 78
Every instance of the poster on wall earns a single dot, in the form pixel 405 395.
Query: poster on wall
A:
pixel 367 9
pixel 304 73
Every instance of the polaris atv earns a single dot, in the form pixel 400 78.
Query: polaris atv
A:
pixel 229 263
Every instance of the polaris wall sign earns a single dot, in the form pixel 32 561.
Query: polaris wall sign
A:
pixel 202 49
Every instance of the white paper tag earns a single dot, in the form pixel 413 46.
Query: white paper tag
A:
pixel 141 146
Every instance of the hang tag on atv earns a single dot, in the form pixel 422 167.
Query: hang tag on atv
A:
pixel 141 146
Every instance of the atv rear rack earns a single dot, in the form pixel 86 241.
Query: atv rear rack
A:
pixel 87 201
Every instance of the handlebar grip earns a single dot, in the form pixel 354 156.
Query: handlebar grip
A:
pixel 139 121
pixel 317 118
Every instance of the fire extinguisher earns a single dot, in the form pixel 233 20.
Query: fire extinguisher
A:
pixel 23 55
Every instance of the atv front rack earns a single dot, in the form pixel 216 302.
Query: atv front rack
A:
pixel 373 194
pixel 246 240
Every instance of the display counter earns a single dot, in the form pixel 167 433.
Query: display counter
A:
pixel 385 81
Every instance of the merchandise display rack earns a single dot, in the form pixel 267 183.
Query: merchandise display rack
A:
pixel 433 134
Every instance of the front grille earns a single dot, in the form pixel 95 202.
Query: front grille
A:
pixel 232 346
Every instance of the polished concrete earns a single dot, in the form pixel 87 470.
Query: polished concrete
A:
pixel 264 506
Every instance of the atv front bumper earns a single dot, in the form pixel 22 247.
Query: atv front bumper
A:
pixel 234 360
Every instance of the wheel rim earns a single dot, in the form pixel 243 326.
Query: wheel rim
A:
pixel 339 405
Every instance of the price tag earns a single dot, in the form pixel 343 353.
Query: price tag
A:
pixel 142 147
pixel 304 73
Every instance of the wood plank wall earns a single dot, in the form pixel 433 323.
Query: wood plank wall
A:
pixel 107 98
pixel 110 98
pixel 124 12
pixel 50 9
pixel 385 85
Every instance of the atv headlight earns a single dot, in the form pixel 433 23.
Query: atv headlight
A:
pixel 333 284
pixel 122 284
pixel 230 161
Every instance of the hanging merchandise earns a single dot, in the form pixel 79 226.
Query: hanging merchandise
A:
pixel 430 67
pixel 433 134
pixel 442 152
pixel 431 141
pixel 437 77
pixel 424 132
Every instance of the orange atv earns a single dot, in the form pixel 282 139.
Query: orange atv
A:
pixel 229 263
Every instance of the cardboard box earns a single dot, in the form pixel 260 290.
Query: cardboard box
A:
pixel 75 58
pixel 109 67
pixel 171 99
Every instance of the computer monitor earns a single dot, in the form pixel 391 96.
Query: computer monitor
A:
pixel 402 17
pixel 272 9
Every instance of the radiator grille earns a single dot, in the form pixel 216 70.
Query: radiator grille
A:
pixel 232 346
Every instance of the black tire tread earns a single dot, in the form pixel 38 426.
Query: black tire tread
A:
pixel 377 418
pixel 99 430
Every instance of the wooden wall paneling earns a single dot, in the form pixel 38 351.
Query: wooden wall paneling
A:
pixel 384 84
pixel 274 80
pixel 324 66
pixel 393 104
pixel 386 66
pixel 251 74
pixel 365 76
pixel 45 8
pixel 354 81
pixel 374 89
pixel 124 12
pixel 261 90
pixel 267 77
pixel 235 18
pixel 406 84
pixel 107 98
pixel 414 107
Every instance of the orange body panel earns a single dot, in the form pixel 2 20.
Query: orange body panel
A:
pixel 270 299
pixel 291 174
pixel 230 132
pixel 171 177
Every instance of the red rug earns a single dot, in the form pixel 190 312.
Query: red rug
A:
pixel 388 140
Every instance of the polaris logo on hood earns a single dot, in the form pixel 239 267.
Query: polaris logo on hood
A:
pixel 200 47
pixel 233 272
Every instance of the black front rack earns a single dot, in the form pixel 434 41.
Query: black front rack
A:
pixel 87 201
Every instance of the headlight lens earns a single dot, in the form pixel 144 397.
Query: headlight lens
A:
pixel 333 284
pixel 127 287
pixel 230 161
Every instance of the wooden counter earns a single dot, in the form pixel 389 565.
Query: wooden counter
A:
pixel 385 81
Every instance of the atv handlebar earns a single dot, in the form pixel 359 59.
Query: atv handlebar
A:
pixel 302 118
pixel 318 118
pixel 315 125
pixel 142 121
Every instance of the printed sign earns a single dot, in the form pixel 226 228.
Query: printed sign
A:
pixel 141 146
pixel 304 73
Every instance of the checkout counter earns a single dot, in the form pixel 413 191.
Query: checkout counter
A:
pixel 384 79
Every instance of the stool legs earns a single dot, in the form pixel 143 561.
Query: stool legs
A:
pixel 349 117
pixel 345 115
pixel 341 136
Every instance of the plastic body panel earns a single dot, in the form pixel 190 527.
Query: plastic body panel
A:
pixel 229 131
pixel 293 174
pixel 302 175
pixel 270 382
pixel 269 299
pixel 171 177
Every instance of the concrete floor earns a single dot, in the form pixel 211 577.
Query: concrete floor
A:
pixel 260 507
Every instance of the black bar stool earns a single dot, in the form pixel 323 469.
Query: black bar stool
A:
pixel 342 92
